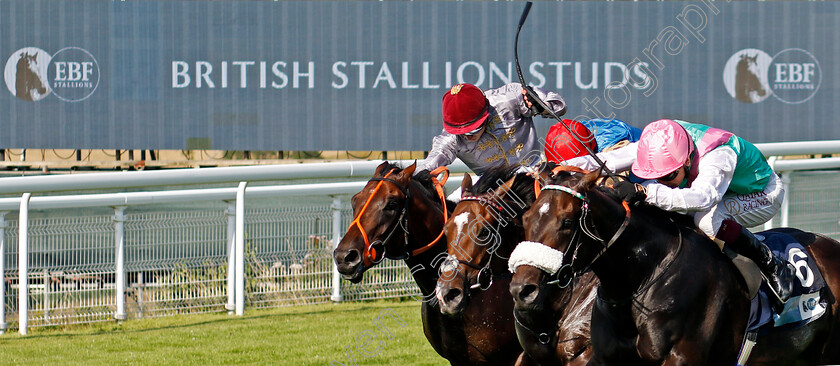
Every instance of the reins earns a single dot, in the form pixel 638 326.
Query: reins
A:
pixel 606 245
pixel 370 255
pixel 585 211
pixel 650 283
pixel 439 189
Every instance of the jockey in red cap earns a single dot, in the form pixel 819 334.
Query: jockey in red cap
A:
pixel 597 134
pixel 485 129
pixel 561 145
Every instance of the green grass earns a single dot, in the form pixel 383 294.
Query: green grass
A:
pixel 300 335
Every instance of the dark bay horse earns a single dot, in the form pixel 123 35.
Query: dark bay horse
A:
pixel 471 339
pixel 668 295
pixel 481 233
pixel 552 314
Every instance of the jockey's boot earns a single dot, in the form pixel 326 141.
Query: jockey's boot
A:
pixel 779 272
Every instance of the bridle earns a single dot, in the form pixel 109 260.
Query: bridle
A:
pixel 563 276
pixel 484 278
pixel 370 255
pixel 566 273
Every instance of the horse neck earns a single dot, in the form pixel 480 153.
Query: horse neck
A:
pixel 425 222
pixel 424 268
pixel 635 257
pixel 509 237
pixel 570 303
pixel 425 219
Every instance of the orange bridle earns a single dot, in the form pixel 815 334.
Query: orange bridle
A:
pixel 370 255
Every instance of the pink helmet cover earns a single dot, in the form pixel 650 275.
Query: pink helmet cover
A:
pixel 663 147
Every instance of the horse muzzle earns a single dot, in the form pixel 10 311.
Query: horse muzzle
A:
pixel 452 295
pixel 526 290
pixel 349 264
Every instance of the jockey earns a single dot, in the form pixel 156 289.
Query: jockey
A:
pixel 719 178
pixel 486 129
pixel 611 134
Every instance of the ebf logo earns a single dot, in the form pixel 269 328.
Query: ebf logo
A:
pixel 72 74
pixel 792 76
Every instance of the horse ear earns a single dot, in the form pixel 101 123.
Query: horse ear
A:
pixel 588 181
pixel 408 171
pixel 380 170
pixel 504 188
pixel 466 184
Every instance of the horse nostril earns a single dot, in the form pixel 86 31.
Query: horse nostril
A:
pixel 453 295
pixel 527 293
pixel 351 257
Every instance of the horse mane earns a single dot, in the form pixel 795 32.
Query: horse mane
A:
pixel 494 177
pixel 655 213
pixel 563 176
pixel 522 187
pixel 424 179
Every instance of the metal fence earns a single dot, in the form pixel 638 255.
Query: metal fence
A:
pixel 176 252
pixel 176 261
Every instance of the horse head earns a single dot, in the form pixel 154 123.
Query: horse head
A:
pixel 552 227
pixel 28 80
pixel 746 80
pixel 482 231
pixel 382 211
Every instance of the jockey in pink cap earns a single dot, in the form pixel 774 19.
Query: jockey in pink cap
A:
pixel 719 178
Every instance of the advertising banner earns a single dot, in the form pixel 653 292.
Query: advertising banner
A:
pixel 362 75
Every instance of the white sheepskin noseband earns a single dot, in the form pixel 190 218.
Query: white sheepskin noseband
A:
pixel 535 254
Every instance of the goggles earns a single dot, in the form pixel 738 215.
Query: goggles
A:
pixel 475 131
pixel 672 175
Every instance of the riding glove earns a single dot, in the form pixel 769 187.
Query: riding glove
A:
pixel 630 192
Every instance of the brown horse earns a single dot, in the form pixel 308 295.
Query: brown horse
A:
pixel 471 339
pixel 482 231
pixel 552 318
pixel 667 294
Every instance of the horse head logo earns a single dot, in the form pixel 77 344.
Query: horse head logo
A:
pixel 29 83
pixel 748 88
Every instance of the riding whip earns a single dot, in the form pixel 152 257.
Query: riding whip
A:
pixel 535 99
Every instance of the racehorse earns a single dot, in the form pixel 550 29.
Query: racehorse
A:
pixel 28 85
pixel 668 295
pixel 403 219
pixel 481 233
pixel 553 318
pixel 746 81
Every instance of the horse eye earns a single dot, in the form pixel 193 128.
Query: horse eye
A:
pixel 483 234
pixel 391 205
pixel 566 224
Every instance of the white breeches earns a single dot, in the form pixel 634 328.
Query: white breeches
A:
pixel 748 210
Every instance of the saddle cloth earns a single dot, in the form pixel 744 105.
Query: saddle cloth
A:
pixel 806 303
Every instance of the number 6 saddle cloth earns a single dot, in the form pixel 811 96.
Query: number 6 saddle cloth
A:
pixel 806 303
